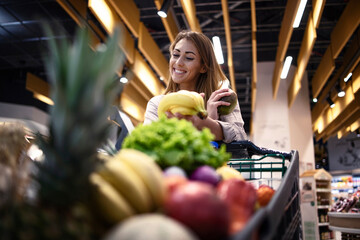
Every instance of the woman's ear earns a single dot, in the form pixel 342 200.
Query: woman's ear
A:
pixel 203 69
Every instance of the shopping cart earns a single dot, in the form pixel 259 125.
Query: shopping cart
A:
pixel 281 218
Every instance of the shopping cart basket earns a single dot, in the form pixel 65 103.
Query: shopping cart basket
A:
pixel 281 218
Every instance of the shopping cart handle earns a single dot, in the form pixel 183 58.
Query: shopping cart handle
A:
pixel 252 149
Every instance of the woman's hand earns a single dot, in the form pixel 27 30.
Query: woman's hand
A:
pixel 213 103
pixel 199 123
pixel 196 121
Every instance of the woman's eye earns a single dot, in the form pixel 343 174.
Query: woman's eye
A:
pixel 189 58
pixel 175 55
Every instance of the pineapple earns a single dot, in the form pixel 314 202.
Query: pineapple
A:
pixel 84 86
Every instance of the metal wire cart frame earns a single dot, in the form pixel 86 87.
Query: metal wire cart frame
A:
pixel 281 218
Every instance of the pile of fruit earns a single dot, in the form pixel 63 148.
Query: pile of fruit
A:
pixel 143 201
pixel 135 192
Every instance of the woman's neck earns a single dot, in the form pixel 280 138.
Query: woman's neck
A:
pixel 188 87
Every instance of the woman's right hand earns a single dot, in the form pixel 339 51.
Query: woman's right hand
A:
pixel 214 102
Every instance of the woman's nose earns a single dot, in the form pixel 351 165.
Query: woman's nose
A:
pixel 180 61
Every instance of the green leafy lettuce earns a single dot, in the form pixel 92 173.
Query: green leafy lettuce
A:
pixel 173 142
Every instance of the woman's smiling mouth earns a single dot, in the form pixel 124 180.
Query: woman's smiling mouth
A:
pixel 179 71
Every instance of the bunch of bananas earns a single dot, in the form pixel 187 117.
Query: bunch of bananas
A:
pixel 128 183
pixel 183 102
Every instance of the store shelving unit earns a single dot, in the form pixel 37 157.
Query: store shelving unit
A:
pixel 316 200
pixel 344 185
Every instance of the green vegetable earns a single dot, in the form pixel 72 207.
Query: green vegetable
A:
pixel 173 142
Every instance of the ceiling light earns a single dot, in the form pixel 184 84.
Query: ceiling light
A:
pixel 164 8
pixel 218 49
pixel 315 100
pixel 299 13
pixel 286 67
pixel 43 98
pixel 347 77
pixel 331 103
pixel 123 79
pixel 341 92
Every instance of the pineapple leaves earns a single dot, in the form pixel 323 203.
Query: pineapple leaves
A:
pixel 83 87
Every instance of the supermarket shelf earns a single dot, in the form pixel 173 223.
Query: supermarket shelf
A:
pixel 323 206
pixel 345 230
pixel 327 190
pixel 342 188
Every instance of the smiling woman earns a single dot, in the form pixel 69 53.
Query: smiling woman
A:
pixel 193 67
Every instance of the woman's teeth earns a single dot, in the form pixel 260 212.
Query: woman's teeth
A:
pixel 178 71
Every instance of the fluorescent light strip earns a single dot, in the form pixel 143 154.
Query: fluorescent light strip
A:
pixel 347 77
pixel 218 51
pixel 286 67
pixel 299 13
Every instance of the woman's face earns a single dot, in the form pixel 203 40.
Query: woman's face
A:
pixel 185 64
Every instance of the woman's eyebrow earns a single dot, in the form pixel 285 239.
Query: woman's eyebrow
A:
pixel 178 50
pixel 190 52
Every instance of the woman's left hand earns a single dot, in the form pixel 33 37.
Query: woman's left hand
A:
pixel 214 102
pixel 199 123
pixel 196 121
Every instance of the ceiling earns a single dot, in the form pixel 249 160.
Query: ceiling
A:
pixel 22 41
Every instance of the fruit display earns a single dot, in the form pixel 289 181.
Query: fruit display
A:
pixel 183 102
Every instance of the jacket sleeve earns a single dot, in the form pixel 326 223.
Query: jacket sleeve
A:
pixel 151 109
pixel 233 126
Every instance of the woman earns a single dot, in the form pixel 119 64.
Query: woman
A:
pixel 193 67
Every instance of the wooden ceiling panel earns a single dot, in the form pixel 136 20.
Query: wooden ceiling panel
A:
pixel 129 13
pixel 317 10
pixel 153 54
pixel 142 70
pixel 347 24
pixel 323 72
pixel 189 9
pixel 307 45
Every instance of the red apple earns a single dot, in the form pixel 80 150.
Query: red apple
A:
pixel 196 205
pixel 173 181
pixel 264 195
pixel 240 196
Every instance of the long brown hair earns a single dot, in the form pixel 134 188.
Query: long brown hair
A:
pixel 212 79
